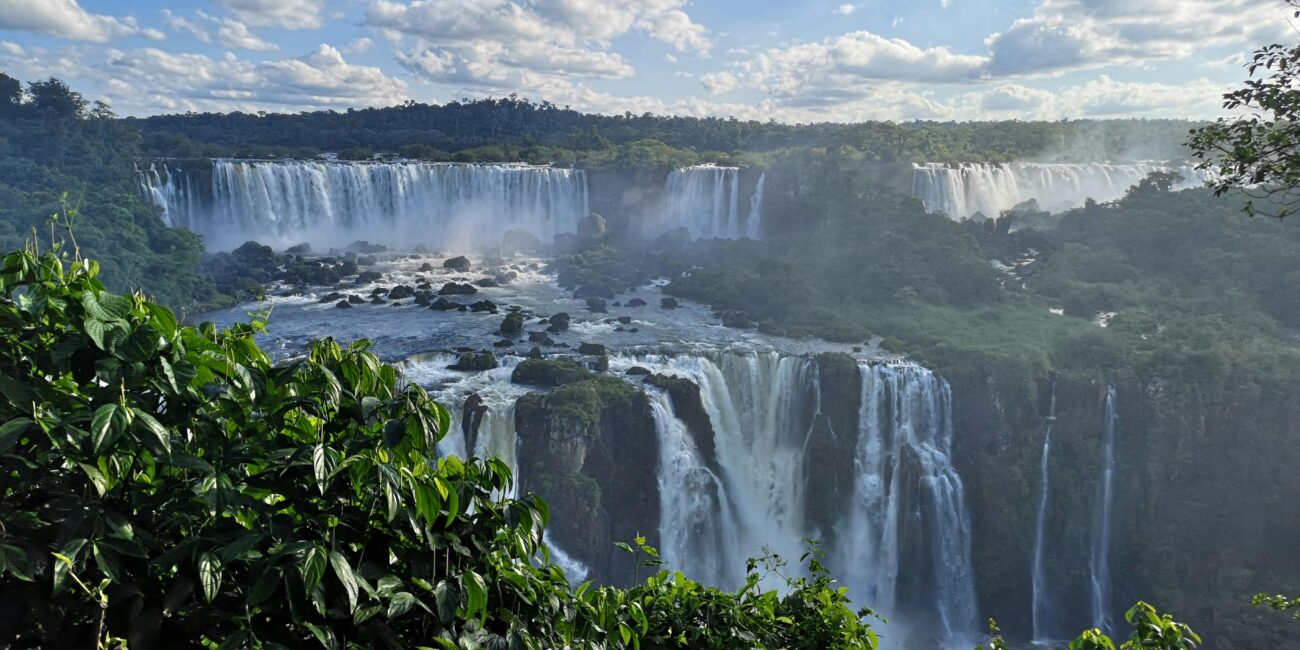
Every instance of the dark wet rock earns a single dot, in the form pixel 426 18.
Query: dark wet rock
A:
pixel 626 320
pixel 486 306
pixel 506 278
pixel 300 249
pixel 473 361
pixel 356 300
pixel 471 417
pixel 425 268
pixel 366 248
pixel 457 289
pixel 401 292
pixel 377 301
pixel 460 263
pixel 668 303
pixel 591 348
pixel 488 283
pixel 513 324
pixel 549 372
pixel 442 304
pixel 689 406
pixel 378 291
pixel 330 297
pixel 343 304
pixel 636 302
pixel 558 322
pixel 369 276
pixel 367 260
pixel 596 305
pixel 636 371
pixel 535 353
pixel 504 343
pixel 591 291
pixel 540 337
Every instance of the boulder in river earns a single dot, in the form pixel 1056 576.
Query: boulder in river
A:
pixel 459 263
pixel 473 361
pixel 457 289
pixel 596 305
pixel 442 304
pixel 516 241
pixel 343 304
pixel 668 303
pixel 636 302
pixel 595 349
pixel 486 306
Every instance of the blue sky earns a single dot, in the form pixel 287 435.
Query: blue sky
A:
pixel 828 60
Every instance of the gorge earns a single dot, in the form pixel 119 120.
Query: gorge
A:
pixel 933 490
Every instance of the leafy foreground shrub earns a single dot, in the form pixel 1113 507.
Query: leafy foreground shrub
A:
pixel 167 486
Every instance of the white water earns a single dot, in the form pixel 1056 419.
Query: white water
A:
pixel 761 407
pixel 403 204
pixel 1041 611
pixel 705 199
pixel 963 190
pixel 1099 558
pixel 907 491
pixel 169 189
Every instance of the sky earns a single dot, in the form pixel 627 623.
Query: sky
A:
pixel 785 60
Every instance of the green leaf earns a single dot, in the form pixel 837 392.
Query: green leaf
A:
pixel 394 432
pixel 344 572
pixel 11 432
pixel 476 593
pixel 401 603
pixel 320 461
pixel 155 429
pixel 95 330
pixel 313 567
pixel 102 428
pixel 210 575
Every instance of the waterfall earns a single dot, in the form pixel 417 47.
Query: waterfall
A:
pixel 331 203
pixel 1099 558
pixel 697 528
pixel 755 222
pixel 909 495
pixel 966 189
pixel 705 199
pixel 904 541
pixel 1041 612
pixel 170 190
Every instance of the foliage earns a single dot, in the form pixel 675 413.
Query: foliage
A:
pixel 57 157
pixel 1258 154
pixel 219 500
pixel 1280 603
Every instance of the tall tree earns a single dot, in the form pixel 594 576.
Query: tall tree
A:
pixel 1258 152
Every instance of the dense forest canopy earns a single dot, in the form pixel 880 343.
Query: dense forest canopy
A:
pixel 513 129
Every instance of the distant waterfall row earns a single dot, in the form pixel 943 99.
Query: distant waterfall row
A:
pixel 449 206
pixel 710 202
pixel 968 189
pixel 904 536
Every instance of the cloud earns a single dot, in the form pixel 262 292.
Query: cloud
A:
pixel 359 46
pixel 844 67
pixel 718 83
pixel 289 14
pixel 1063 35
pixel 66 19
pixel 518 46
pixel 846 9
pixel 148 81
pixel 227 31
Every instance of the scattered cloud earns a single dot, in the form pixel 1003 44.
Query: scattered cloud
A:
pixel 288 14
pixel 66 19
pixel 359 46
pixel 228 32
pixel 846 9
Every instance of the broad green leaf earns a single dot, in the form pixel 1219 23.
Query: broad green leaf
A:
pixel 401 603
pixel 344 572
pixel 102 427
pixel 11 432
pixel 313 567
pixel 154 429
pixel 210 575
pixel 475 592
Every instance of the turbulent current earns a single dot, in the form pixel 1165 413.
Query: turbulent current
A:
pixel 965 190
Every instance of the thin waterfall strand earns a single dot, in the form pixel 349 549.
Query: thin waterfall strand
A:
pixel 705 199
pixel 1041 610
pixel 1099 559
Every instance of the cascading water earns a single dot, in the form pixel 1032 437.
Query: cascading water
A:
pixel 171 190
pixel 906 528
pixel 705 199
pixel 1041 610
pixel 908 494
pixel 697 528
pixel 330 203
pixel 1099 558
pixel 966 189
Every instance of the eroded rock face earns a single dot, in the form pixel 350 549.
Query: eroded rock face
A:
pixel 829 470
pixel 1204 495
pixel 589 449
pixel 689 407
